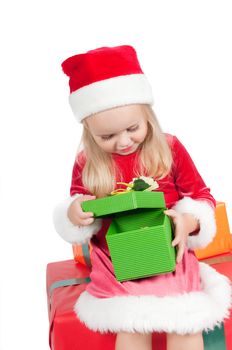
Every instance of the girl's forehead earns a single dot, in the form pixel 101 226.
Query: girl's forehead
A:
pixel 115 120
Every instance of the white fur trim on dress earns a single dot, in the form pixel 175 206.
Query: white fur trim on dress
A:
pixel 203 212
pixel 184 313
pixel 110 93
pixel 65 228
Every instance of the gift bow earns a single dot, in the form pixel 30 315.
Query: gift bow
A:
pixel 122 190
pixel 141 183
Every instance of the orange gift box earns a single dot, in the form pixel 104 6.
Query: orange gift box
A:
pixel 222 242
pixel 82 253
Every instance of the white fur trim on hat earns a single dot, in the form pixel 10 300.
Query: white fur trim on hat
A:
pixel 183 314
pixel 110 93
pixel 203 212
pixel 65 228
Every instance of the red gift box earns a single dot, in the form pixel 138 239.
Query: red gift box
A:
pixel 65 282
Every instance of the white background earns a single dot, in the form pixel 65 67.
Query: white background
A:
pixel 184 48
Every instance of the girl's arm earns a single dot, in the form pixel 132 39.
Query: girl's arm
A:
pixel 195 199
pixel 71 223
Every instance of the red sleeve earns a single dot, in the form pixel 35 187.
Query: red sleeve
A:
pixel 188 181
pixel 76 184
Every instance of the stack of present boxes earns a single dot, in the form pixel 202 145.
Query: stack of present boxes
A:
pixel 132 227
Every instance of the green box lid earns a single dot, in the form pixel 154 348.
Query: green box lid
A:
pixel 124 202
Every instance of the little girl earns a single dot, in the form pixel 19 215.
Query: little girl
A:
pixel 122 140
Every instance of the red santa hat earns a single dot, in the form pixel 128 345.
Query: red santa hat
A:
pixel 105 78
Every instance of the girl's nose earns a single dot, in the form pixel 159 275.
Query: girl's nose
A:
pixel 124 140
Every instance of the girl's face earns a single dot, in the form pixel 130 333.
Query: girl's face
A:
pixel 119 130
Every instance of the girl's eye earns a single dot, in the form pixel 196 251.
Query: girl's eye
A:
pixel 133 129
pixel 106 138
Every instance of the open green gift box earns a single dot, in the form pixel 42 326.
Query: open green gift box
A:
pixel 139 237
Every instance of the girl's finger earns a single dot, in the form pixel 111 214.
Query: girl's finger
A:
pixel 178 236
pixel 180 252
pixel 176 241
pixel 85 215
pixel 171 212
pixel 86 198
pixel 87 222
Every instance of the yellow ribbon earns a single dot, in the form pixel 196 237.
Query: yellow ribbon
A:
pixel 122 190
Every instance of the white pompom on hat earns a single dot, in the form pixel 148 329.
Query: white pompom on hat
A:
pixel 105 78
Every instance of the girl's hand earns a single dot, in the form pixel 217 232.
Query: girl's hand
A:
pixel 75 213
pixel 184 225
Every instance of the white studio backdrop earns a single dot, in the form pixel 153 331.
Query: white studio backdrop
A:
pixel 184 48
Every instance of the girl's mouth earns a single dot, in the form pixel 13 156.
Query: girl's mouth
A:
pixel 128 149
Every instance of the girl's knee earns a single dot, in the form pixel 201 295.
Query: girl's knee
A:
pixel 126 340
pixel 187 341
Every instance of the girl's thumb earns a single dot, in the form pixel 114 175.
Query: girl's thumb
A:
pixel 170 212
pixel 87 197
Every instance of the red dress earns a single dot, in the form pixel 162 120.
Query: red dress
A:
pixel 179 301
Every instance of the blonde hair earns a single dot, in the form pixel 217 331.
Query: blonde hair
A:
pixel 100 172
